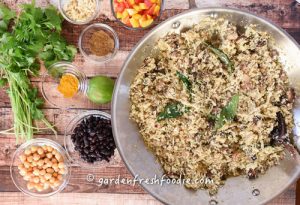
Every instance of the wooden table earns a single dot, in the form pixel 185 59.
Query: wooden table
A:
pixel 285 13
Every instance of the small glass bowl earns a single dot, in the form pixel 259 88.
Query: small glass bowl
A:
pixel 51 81
pixel 69 146
pixel 18 180
pixel 63 3
pixel 85 36
pixel 140 28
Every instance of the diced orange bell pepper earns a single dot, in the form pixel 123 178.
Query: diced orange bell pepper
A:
pixel 153 1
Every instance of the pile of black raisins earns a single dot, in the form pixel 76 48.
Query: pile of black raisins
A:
pixel 93 139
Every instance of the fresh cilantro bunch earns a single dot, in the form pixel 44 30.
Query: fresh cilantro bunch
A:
pixel 34 38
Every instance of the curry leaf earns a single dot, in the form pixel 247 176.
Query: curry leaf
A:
pixel 172 110
pixel 228 112
pixel 222 56
pixel 188 84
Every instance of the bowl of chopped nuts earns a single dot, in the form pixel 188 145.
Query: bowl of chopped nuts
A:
pixel 79 11
pixel 40 168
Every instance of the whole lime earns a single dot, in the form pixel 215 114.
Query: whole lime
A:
pixel 100 89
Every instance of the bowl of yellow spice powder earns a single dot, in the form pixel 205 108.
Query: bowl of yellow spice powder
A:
pixel 64 85
pixel 98 42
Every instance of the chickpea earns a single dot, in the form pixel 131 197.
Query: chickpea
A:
pixel 55 174
pixel 54 152
pixel 36 180
pixel 30 169
pixel 42 172
pixel 22 158
pixel 58 157
pixel 26 178
pixel 52 180
pixel 42 179
pixel 59 177
pixel 49 148
pixel 21 166
pixel 39 187
pixel 34 163
pixel 40 151
pixel 45 166
pixel 46 160
pixel 40 162
pixel 23 172
pixel 36 172
pixel 55 166
pixel 48 176
pixel 36 157
pixel 27 152
pixel 49 164
pixel 30 185
pixel 49 155
pixel 54 160
pixel 33 149
pixel 46 185
pixel 49 170
pixel 56 183
pixel 61 165
pixel 30 158
pixel 62 171
pixel 44 147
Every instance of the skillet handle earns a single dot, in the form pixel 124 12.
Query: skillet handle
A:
pixel 192 4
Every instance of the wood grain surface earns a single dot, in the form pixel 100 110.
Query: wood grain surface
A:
pixel 285 13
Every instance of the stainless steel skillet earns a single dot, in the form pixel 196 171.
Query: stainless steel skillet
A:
pixel 141 162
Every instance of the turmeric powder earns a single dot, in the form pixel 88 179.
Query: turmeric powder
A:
pixel 68 85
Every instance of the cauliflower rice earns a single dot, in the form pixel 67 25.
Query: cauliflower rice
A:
pixel 189 145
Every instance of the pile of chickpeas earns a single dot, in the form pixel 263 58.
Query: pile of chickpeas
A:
pixel 42 167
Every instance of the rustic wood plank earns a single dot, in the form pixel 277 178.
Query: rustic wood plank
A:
pixel 79 182
pixel 56 117
pixel 78 199
pixel 285 13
